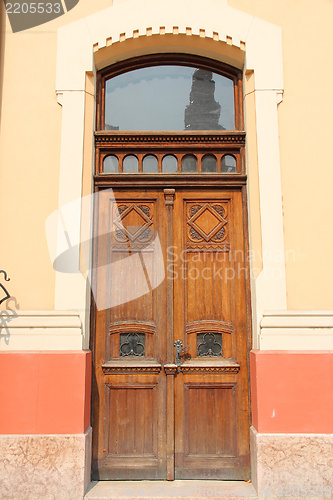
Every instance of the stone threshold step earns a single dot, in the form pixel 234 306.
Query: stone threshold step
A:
pixel 171 490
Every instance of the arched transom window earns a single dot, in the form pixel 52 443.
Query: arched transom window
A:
pixel 166 98
pixel 171 115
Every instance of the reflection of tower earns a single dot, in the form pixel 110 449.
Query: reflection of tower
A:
pixel 203 112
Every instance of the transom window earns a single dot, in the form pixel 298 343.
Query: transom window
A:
pixel 170 115
pixel 167 163
pixel 169 98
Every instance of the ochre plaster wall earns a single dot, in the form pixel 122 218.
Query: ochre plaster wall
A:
pixel 306 127
pixel 30 155
pixel 30 150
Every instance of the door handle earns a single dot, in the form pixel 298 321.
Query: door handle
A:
pixel 178 352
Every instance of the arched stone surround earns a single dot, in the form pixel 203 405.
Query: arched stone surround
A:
pixel 216 31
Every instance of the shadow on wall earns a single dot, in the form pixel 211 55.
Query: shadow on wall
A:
pixel 2 48
pixel 6 315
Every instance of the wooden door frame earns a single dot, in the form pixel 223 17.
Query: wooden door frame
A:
pixel 175 59
pixel 160 143
pixel 238 184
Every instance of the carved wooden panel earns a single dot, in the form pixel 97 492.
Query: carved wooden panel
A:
pixel 120 330
pixel 209 419
pixel 193 139
pixel 197 330
pixel 207 222
pixel 158 420
pixel 208 293
pixel 203 326
pixel 211 389
pixel 120 367
pixel 129 405
pixel 152 419
pixel 132 423
pixel 210 368
pixel 133 222
pixel 133 235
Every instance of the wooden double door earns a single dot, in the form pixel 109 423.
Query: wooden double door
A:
pixel 169 269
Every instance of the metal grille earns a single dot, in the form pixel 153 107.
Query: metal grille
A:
pixel 209 344
pixel 132 344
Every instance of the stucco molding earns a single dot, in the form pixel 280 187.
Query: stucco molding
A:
pixel 296 330
pixel 40 330
pixel 78 41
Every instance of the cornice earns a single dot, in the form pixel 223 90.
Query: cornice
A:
pixel 105 138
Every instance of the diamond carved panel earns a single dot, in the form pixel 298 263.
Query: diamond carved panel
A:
pixel 132 221
pixel 206 221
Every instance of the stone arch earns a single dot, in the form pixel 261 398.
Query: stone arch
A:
pixel 138 45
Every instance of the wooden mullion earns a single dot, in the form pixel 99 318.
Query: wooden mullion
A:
pixel 121 159
pixel 170 450
pixel 199 158
pixel 179 162
pixel 218 162
pixel 159 162
pixel 140 157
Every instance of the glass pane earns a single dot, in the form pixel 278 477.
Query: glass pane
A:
pixel 189 163
pixel 111 164
pixel 130 164
pixel 208 163
pixel 169 98
pixel 169 164
pixel 150 164
pixel 228 164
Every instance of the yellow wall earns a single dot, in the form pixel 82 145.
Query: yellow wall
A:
pixel 29 155
pixel 30 150
pixel 306 131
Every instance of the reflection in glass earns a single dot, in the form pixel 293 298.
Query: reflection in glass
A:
pixel 228 164
pixel 149 164
pixel 203 112
pixel 169 98
pixel 208 163
pixel 189 163
pixel 111 165
pixel 130 164
pixel 169 164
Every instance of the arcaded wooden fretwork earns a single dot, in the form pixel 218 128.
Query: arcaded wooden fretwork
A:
pixel 221 146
